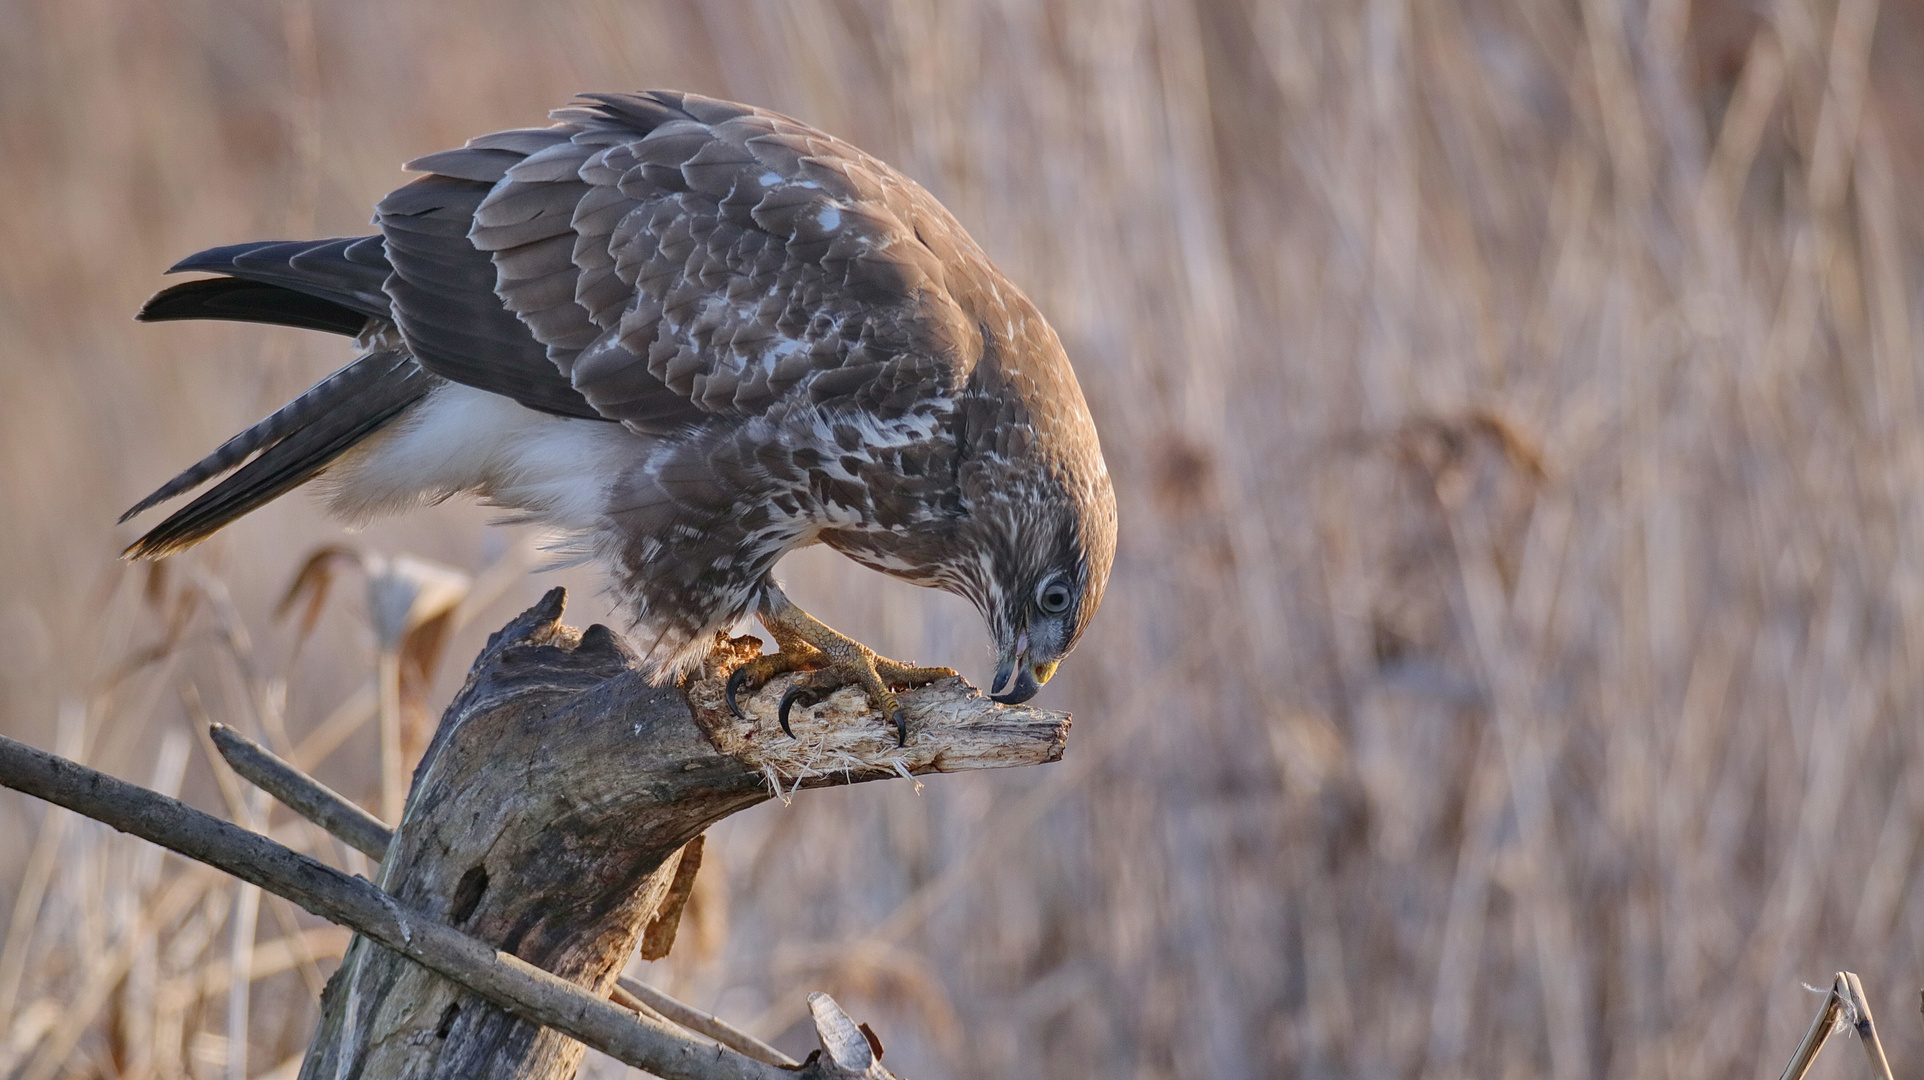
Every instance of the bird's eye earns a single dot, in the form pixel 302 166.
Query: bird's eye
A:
pixel 1053 597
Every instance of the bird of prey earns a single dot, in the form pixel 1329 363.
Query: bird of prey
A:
pixel 693 336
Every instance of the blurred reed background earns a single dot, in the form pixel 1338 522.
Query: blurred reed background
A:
pixel 1512 663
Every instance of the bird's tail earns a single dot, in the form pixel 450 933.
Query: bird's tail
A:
pixel 303 437
pixel 334 285
pixel 322 285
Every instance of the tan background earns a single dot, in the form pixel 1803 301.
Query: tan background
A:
pixel 1512 666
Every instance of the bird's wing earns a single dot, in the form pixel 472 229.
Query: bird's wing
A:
pixel 667 259
pixel 442 288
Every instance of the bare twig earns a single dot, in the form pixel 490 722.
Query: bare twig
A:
pixel 700 1022
pixel 302 793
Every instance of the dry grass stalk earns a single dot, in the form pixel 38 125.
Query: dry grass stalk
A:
pixel 1844 1007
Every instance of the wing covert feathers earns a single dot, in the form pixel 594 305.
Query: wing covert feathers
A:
pixel 443 293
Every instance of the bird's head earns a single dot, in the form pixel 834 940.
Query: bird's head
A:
pixel 1044 580
pixel 1040 509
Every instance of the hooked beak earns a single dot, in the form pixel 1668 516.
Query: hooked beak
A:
pixel 1017 680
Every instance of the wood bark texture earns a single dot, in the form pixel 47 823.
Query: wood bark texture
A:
pixel 552 813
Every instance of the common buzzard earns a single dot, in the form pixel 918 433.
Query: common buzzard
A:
pixel 694 336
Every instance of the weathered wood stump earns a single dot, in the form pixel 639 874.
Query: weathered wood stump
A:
pixel 552 817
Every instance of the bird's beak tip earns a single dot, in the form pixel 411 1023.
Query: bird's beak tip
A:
pixel 1004 676
pixel 1025 688
pixel 1015 685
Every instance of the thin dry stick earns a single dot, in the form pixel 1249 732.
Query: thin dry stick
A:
pixel 501 978
pixel 302 793
pixel 1866 1027
pixel 33 884
pixel 1845 1001
pixel 394 779
pixel 366 833
pixel 700 1022
pixel 1817 1036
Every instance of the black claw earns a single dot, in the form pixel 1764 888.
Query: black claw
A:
pixel 794 694
pixel 737 679
pixel 901 727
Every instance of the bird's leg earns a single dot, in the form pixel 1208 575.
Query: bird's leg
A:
pixel 831 659
pixel 792 653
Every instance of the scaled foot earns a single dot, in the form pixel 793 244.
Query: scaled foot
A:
pixel 830 660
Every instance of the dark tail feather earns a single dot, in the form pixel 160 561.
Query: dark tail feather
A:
pixel 295 443
pixel 333 285
pixel 332 392
pixel 234 300
pixel 347 271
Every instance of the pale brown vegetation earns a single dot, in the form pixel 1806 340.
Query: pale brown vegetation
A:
pixel 1511 666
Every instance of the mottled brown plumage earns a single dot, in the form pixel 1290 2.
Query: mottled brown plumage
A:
pixel 695 335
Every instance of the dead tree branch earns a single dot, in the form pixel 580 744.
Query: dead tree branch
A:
pixel 366 833
pixel 352 902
